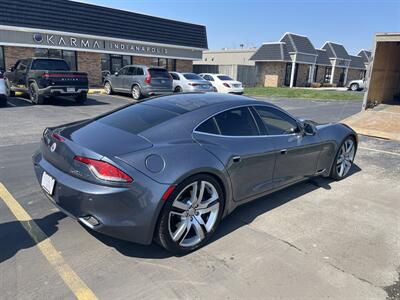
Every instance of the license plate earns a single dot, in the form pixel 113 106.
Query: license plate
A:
pixel 70 90
pixel 48 183
pixel 206 86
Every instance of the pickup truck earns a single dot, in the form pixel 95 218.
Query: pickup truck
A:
pixel 43 78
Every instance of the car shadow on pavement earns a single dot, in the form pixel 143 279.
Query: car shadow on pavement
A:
pixel 14 237
pixel 242 216
pixel 59 101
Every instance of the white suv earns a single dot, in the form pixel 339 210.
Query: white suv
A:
pixel 223 83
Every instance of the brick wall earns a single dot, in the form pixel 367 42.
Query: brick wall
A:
pixel 184 65
pixel 302 79
pixel 90 63
pixel 354 74
pixel 142 60
pixel 270 74
pixel 12 54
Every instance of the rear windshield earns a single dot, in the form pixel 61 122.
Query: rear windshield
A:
pixel 49 65
pixel 224 78
pixel 192 76
pixel 137 118
pixel 159 73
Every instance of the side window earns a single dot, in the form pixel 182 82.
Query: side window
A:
pixel 139 71
pixel 209 126
pixel 276 121
pixel 123 71
pixel 208 78
pixel 131 71
pixel 22 65
pixel 237 122
pixel 174 76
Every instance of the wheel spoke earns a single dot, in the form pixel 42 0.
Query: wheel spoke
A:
pixel 340 160
pixel 182 228
pixel 180 205
pixel 193 194
pixel 211 208
pixel 198 229
pixel 349 147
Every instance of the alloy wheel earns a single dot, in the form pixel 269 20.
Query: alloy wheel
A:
pixel 345 158
pixel 107 88
pixel 136 92
pixel 194 213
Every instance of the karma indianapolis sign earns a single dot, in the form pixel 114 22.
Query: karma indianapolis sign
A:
pixel 65 41
pixel 84 43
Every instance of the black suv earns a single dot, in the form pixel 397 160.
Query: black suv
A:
pixel 42 78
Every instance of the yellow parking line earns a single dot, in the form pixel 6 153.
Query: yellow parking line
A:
pixel 71 279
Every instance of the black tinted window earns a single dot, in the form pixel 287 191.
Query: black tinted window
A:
pixel 174 76
pixel 159 73
pixel 123 71
pixel 137 118
pixel 131 71
pixel 276 121
pixel 224 78
pixel 49 65
pixel 139 71
pixel 208 126
pixel 237 122
pixel 208 78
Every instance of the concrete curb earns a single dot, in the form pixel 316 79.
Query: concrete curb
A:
pixel 96 91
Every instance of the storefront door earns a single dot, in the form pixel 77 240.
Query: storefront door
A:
pixel 116 63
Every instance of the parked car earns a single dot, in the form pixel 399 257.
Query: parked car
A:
pixel 171 167
pixel 356 85
pixel 140 81
pixel 189 83
pixel 104 74
pixel 3 90
pixel 42 78
pixel 223 83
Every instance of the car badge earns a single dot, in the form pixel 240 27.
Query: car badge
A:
pixel 53 147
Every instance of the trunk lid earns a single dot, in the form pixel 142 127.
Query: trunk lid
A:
pixel 66 78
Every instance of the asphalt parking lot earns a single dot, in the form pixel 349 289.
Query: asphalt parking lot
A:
pixel 316 240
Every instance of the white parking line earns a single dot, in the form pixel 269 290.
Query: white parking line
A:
pixel 381 151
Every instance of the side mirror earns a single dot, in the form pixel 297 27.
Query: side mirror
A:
pixel 309 128
pixel 11 69
pixel 116 73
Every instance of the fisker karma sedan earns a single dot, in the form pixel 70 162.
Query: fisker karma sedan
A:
pixel 170 168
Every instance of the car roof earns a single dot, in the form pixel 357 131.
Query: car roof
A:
pixel 187 102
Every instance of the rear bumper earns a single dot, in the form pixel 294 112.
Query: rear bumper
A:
pixel 126 212
pixel 154 91
pixel 194 89
pixel 63 90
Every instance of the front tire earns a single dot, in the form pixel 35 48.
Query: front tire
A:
pixel 191 215
pixel 34 94
pixel 10 93
pixel 344 159
pixel 108 88
pixel 354 87
pixel 178 89
pixel 136 92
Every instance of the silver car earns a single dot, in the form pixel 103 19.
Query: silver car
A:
pixel 356 85
pixel 190 83
pixel 140 81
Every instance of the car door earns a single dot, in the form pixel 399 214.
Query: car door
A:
pixel 20 73
pixel 297 153
pixel 234 137
pixel 129 78
pixel 175 80
pixel 118 81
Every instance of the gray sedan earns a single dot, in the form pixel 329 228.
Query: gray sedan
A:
pixel 172 167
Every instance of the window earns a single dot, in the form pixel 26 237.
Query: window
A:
pixel 208 78
pixel 315 73
pixel 288 74
pixel 208 126
pixel 327 75
pixel 169 64
pixel 113 62
pixel 126 60
pixel 163 63
pixel 174 76
pixel 137 118
pixel 105 62
pixel 225 78
pixel 123 71
pixel 2 62
pixel 50 65
pixel 276 121
pixel 237 122
pixel 159 73
pixel 131 71
pixel 191 76
pixel 68 56
pixel 22 65
pixel 139 71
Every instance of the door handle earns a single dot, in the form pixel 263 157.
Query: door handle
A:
pixel 236 159
pixel 284 151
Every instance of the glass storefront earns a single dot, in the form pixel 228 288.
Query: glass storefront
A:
pixel 167 63
pixel 2 61
pixel 68 56
pixel 113 63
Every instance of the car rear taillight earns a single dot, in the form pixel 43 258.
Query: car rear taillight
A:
pixel 227 85
pixel 148 78
pixel 193 84
pixel 104 170
pixel 58 137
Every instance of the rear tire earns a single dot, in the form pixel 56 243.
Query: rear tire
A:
pixel 187 223
pixel 81 98
pixel 34 95
pixel 108 88
pixel 136 92
pixel 354 87
pixel 178 89
pixel 344 159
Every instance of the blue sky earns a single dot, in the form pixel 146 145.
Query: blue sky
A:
pixel 252 22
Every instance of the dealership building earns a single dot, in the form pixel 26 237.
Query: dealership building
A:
pixel 96 39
